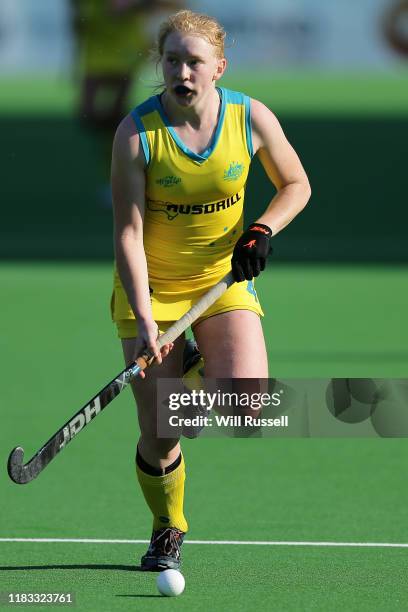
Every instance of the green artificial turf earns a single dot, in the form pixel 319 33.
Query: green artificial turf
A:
pixel 58 348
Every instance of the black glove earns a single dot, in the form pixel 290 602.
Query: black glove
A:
pixel 250 252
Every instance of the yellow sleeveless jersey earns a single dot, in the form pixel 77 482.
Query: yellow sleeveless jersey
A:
pixel 194 202
pixel 194 207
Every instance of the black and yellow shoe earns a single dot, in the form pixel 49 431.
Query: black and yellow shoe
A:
pixel 164 550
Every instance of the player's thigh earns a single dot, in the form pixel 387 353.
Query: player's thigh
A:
pixel 233 345
pixel 145 390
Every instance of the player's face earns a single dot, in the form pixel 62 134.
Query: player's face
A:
pixel 190 67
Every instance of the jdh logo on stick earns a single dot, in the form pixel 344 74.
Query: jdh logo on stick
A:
pixel 80 420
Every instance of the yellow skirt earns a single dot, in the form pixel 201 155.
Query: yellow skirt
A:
pixel 171 303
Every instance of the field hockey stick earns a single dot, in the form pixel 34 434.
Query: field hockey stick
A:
pixel 21 474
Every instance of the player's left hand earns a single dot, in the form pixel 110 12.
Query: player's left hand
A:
pixel 250 252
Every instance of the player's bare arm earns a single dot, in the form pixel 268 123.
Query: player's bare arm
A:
pixel 282 166
pixel 128 196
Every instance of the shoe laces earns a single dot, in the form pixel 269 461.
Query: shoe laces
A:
pixel 167 542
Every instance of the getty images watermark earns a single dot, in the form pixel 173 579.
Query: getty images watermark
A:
pixel 301 408
pixel 240 407
pixel 234 402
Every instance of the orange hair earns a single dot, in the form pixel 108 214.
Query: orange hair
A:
pixel 189 22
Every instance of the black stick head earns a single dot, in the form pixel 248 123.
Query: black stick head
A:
pixel 15 466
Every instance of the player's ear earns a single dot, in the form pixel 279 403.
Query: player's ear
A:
pixel 221 67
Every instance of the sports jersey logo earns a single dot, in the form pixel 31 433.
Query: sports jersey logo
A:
pixel 163 207
pixel 257 228
pixel 168 181
pixel 234 171
pixel 173 210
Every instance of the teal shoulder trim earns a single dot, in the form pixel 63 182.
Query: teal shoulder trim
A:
pixel 237 97
pixel 248 126
pixel 233 97
pixel 143 109
pixel 146 107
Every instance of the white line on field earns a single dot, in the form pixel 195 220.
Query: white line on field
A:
pixel 212 542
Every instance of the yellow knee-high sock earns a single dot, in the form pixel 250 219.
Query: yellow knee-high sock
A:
pixel 165 496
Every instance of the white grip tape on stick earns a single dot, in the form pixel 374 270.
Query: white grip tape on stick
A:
pixel 197 310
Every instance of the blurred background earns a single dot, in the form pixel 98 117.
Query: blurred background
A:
pixel 334 73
